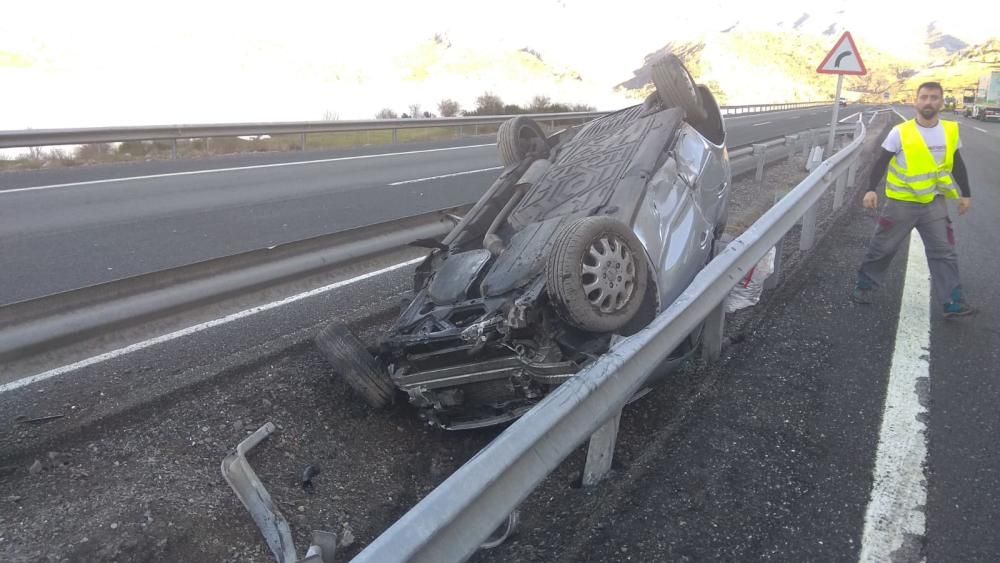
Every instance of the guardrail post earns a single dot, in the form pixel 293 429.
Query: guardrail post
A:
pixel 852 173
pixel 173 150
pixel 302 142
pixel 808 236
pixel 601 451
pixel 760 153
pixel 808 220
pixel 838 192
pixel 715 327
pixel 790 142
pixel 815 158
pixel 806 146
pixel 774 279
pixel 475 131
pixel 394 138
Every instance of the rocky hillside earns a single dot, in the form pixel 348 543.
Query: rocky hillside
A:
pixel 961 69
pixel 751 67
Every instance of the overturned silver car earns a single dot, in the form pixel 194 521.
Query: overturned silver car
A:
pixel 586 234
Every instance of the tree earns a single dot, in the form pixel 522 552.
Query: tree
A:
pixel 489 104
pixel 448 108
pixel 415 110
pixel 539 104
pixel 386 113
pixel 582 107
pixel 717 92
pixel 329 115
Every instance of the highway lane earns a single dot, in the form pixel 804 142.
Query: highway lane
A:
pixel 963 474
pixel 138 218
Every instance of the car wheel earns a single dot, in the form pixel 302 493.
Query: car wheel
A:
pixel 676 88
pixel 596 274
pixel 518 137
pixel 352 362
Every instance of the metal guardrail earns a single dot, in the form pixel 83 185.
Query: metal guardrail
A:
pixel 41 325
pixel 763 108
pixel 52 137
pixel 46 137
pixel 451 521
pixel 756 156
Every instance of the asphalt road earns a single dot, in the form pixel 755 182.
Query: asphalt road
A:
pixel 62 229
pixel 963 508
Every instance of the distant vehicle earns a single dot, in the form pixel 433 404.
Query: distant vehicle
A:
pixel 968 100
pixel 587 234
pixel 842 101
pixel 986 106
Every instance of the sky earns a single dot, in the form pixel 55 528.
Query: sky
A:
pixel 107 63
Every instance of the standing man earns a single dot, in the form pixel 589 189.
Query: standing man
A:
pixel 924 166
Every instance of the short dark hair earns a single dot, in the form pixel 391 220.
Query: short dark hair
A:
pixel 931 85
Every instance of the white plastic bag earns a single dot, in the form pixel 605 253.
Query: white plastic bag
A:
pixel 747 292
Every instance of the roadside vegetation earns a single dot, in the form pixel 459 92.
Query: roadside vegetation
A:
pixel 131 151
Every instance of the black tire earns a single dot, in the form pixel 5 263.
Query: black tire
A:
pixel 352 361
pixel 518 137
pixel 676 88
pixel 596 274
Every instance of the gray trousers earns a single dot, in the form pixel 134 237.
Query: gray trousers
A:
pixel 895 222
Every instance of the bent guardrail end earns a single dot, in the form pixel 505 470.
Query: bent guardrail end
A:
pixel 272 524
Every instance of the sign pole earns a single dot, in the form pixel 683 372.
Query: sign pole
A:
pixel 836 114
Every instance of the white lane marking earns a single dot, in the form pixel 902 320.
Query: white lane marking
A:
pixel 196 328
pixel 761 123
pixel 848 117
pixel 980 129
pixel 899 493
pixel 400 183
pixel 235 168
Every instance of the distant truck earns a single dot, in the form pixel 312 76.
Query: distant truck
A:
pixel 986 106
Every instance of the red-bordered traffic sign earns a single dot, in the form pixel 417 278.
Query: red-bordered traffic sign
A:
pixel 844 58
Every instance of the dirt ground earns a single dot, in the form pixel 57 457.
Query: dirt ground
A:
pixel 145 485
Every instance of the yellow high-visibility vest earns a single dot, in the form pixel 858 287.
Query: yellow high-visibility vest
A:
pixel 923 178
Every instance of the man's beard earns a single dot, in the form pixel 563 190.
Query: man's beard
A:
pixel 927 112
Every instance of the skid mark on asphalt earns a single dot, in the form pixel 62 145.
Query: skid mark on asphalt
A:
pixel 198 328
pixel 895 519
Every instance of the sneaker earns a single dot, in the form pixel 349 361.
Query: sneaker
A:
pixel 862 295
pixel 957 309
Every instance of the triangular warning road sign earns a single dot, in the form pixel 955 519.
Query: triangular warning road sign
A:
pixel 844 58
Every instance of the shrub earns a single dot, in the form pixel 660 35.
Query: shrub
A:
pixel 489 104
pixel 448 108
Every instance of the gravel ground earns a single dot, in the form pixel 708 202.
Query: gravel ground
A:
pixel 150 488
pixel 146 486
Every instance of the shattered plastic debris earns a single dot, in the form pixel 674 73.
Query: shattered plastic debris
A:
pixel 748 291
